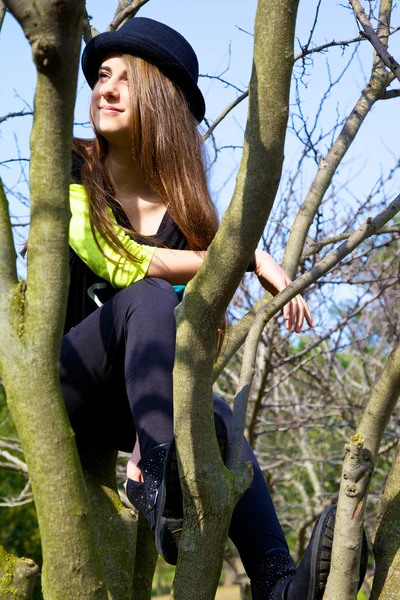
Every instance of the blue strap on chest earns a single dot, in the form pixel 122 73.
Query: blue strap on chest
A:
pixel 179 290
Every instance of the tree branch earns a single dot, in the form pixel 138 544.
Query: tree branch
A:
pixel 371 35
pixel 389 94
pixel 207 485
pixel 386 538
pixel 8 269
pixel 322 47
pixel 12 115
pixel 17 576
pixel 2 13
pixel 357 470
pixel 13 462
pixel 315 247
pixel 88 31
pixel 327 167
pixel 265 309
pixel 224 114
pixel 126 10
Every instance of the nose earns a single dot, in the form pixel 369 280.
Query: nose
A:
pixel 109 88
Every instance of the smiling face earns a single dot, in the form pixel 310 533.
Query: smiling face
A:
pixel 110 104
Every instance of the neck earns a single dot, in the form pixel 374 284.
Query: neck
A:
pixel 125 173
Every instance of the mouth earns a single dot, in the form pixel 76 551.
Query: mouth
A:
pixel 110 110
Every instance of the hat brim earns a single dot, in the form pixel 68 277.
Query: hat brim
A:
pixel 104 44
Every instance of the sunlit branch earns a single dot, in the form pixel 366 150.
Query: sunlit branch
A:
pixel 371 35
pixel 125 11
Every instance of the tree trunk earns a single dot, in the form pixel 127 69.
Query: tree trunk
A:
pixel 32 313
pixel 210 490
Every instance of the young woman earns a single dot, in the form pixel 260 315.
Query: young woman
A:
pixel 141 221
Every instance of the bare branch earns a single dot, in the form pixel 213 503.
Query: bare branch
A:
pixel 224 114
pixel 267 309
pixel 389 94
pixel 126 9
pixel 317 246
pixel 13 462
pixel 328 166
pixel 342 44
pixel 8 272
pixel 88 31
pixel 21 113
pixel 371 35
pixel 357 470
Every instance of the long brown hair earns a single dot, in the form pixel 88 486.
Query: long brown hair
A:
pixel 168 148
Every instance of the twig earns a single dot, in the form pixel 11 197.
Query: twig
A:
pixel 21 113
pixel 389 94
pixel 342 43
pixel 13 462
pixel 267 311
pixel 224 114
pixel 372 37
pixel 88 31
pixel 317 246
pixel 125 11
pixel 218 78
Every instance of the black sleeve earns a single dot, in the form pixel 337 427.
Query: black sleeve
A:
pixel 252 266
pixel 76 168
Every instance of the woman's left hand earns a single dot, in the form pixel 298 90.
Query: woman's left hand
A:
pixel 274 279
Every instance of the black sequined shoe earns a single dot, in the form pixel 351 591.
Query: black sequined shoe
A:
pixel 159 497
pixel 278 578
pixel 143 494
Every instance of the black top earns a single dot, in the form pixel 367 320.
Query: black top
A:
pixel 85 286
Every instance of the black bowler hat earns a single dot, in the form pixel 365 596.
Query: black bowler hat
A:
pixel 158 44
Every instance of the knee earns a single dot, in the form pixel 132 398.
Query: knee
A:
pixel 149 295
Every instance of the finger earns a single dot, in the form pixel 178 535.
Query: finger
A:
pixel 300 314
pixel 286 313
pixel 292 315
pixel 295 310
pixel 307 314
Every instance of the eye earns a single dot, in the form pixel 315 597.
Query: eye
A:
pixel 103 74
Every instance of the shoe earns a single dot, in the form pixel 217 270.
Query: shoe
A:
pixel 159 496
pixel 278 578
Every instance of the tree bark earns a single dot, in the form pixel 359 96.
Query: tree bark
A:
pixel 145 561
pixel 210 490
pixel 2 13
pixel 116 526
pixel 386 583
pixel 32 313
pixel 378 82
pixel 327 167
pixel 17 576
pixel 357 470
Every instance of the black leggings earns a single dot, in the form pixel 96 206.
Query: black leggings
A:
pixel 116 378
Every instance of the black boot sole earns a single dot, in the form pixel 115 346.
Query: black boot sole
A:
pixel 321 553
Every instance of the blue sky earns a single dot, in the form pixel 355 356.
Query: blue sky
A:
pixel 215 29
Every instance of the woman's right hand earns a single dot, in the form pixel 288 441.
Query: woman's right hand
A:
pixel 274 279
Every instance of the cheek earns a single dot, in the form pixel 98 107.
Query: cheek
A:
pixel 95 96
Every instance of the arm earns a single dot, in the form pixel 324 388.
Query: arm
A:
pixel 274 279
pixel 175 266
